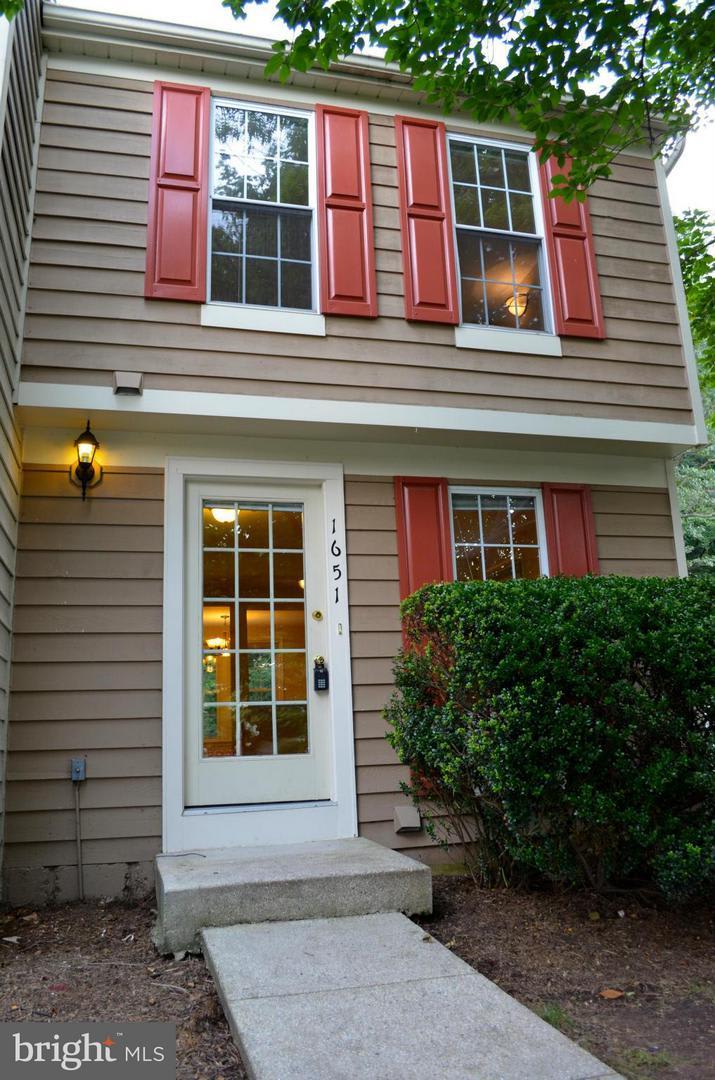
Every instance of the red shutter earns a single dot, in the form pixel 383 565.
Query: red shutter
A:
pixel 570 530
pixel 424 537
pixel 572 261
pixel 178 194
pixel 347 258
pixel 426 220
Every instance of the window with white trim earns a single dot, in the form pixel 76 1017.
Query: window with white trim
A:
pixel 499 235
pixel 262 208
pixel 498 534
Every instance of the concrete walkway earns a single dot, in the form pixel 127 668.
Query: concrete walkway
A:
pixel 373 997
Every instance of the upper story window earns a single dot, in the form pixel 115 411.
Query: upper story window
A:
pixel 499 238
pixel 262 208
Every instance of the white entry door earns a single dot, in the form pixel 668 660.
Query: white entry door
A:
pixel 255 730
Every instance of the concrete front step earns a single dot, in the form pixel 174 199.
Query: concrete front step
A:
pixel 373 996
pixel 324 879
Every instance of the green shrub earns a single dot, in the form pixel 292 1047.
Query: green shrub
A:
pixel 566 726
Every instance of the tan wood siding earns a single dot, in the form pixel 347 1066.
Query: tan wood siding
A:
pixel 18 129
pixel 86 681
pixel 634 532
pixel 87 315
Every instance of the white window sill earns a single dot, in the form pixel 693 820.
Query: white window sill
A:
pixel 273 320
pixel 530 342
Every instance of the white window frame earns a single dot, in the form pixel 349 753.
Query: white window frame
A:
pixel 534 493
pixel 288 319
pixel 506 338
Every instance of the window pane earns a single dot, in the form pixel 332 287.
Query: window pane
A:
pixel 295 236
pixel 256 730
pixel 218 526
pixel 466 205
pixel 262 131
pixel 533 317
pixel 289 626
pixel 288 579
pixel 226 279
pixel 218 573
pixel 469 564
pixel 497 263
pixel 292 729
pixel 463 166
pixel 262 282
pixel 495 211
pixel 495 521
pixel 465 516
pixel 227 231
pixel 254 626
pixel 294 184
pixel 473 302
pixel 256 677
pixel 497 562
pixel 296 286
pixel 501 305
pixel 219 730
pixel 526 562
pixel 490 166
pixel 470 259
pixel 262 181
pixel 523 523
pixel 252 528
pixel 517 170
pixel 287 528
pixel 522 213
pixel 253 574
pixel 294 138
pixel 217 626
pixel 526 262
pixel 290 677
pixel 261 233
pixel 229 151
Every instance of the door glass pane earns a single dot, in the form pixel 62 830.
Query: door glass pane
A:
pixel 219 730
pixel 289 626
pixel 290 676
pixel 292 729
pixel 254 574
pixel 266 602
pixel 288 574
pixel 254 626
pixel 256 730
pixel 218 573
pixel 256 683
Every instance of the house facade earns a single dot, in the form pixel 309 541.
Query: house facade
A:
pixel 332 346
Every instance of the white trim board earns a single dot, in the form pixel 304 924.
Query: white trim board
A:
pixel 678 536
pixel 218 827
pixel 365 414
pixel 149 449
pixel 691 365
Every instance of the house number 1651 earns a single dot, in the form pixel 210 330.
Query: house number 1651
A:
pixel 336 551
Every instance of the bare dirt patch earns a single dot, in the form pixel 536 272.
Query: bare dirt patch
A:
pixel 558 953
pixel 96 962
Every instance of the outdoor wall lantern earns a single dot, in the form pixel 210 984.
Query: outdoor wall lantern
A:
pixel 85 473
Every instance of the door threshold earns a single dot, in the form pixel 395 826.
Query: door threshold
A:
pixel 248 808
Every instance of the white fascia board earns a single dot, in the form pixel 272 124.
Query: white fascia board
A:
pixel 365 414
pixel 691 364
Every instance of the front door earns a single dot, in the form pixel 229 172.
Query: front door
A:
pixel 256 732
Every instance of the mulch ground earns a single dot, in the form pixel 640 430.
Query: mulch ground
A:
pixel 559 953
pixel 96 962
